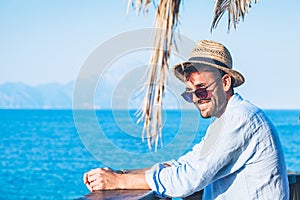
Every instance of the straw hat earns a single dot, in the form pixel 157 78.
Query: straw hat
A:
pixel 213 54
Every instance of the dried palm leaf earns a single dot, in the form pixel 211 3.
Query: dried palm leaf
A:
pixel 138 4
pixel 237 9
pixel 151 111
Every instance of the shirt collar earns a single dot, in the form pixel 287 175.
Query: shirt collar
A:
pixel 233 101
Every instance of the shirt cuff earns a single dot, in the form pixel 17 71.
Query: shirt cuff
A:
pixel 153 178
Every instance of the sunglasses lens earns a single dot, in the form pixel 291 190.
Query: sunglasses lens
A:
pixel 201 93
pixel 187 96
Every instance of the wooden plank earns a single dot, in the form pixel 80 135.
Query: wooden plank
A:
pixel 119 195
pixel 294 181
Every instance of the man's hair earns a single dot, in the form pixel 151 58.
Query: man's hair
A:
pixel 192 68
pixel 203 68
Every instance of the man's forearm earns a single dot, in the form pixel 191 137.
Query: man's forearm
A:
pixel 133 171
pixel 133 180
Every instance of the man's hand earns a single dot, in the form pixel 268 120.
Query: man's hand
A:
pixel 108 179
pixel 101 179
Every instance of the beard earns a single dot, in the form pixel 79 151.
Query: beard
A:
pixel 205 108
pixel 212 107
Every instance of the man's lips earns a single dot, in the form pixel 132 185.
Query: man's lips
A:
pixel 203 101
pixel 203 104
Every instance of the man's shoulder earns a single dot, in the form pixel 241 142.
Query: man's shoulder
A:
pixel 242 108
pixel 243 113
pixel 238 103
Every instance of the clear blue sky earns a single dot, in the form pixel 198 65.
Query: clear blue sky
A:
pixel 48 41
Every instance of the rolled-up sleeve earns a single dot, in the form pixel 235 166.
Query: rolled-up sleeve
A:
pixel 169 181
pixel 153 179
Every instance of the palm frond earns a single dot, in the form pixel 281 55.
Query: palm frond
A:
pixel 138 5
pixel 237 9
pixel 151 111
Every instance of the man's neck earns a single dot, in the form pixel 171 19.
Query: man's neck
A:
pixel 222 110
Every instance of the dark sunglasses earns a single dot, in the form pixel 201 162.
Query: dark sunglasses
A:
pixel 201 93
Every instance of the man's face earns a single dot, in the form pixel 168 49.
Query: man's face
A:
pixel 214 104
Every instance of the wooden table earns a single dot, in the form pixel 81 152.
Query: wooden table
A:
pixel 120 195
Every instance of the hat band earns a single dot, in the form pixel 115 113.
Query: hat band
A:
pixel 209 60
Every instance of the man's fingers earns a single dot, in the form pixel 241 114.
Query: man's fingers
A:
pixel 98 187
pixel 94 179
pixel 85 178
pixel 95 171
pixel 95 183
pixel 95 175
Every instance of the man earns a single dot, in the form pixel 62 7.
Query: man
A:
pixel 240 156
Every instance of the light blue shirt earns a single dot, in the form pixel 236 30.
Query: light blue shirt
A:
pixel 240 157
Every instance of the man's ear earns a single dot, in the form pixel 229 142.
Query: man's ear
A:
pixel 226 80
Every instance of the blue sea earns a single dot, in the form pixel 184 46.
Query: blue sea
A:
pixel 44 153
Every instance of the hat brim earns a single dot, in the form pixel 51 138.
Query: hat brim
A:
pixel 178 71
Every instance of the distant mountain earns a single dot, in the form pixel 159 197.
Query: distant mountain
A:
pixel 20 95
pixel 60 96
